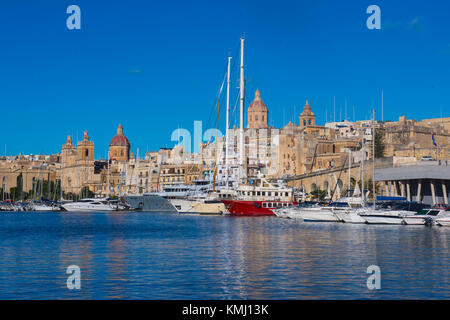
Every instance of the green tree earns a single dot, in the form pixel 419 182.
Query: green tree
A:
pixel 320 194
pixel 379 144
pixel 86 193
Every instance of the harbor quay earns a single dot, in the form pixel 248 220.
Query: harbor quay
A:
pixel 316 159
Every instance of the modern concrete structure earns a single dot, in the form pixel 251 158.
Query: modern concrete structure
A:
pixel 426 182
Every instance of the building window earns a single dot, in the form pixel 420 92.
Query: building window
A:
pixel 256 117
pixel 304 122
pixel 87 153
pixel 262 118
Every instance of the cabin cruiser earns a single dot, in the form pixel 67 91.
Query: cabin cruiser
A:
pixel 293 212
pixel 325 214
pixel 379 216
pixel 177 195
pixel 195 198
pixel 44 206
pixel 351 216
pixel 389 213
pixel 426 216
pixel 91 205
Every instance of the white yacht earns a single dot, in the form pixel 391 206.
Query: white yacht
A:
pixel 41 206
pixel 189 198
pixel 177 195
pixel 425 216
pixel 325 214
pixel 383 216
pixel 353 215
pixel 90 205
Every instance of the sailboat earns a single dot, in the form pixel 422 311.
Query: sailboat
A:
pixel 207 201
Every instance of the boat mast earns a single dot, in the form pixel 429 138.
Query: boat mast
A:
pixel 107 178
pixel 349 169
pixel 241 118
pixel 137 171
pixel 217 146
pixel 227 122
pixel 373 159
pixel 363 155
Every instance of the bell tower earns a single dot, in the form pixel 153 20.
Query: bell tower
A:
pixel 307 117
pixel 86 148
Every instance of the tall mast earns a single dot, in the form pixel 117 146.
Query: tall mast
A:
pixel 373 159
pixel 216 142
pixel 227 121
pixel 382 106
pixel 107 178
pixel 62 176
pixel 137 171
pixel 334 109
pixel 349 170
pixel 363 153
pixel 241 119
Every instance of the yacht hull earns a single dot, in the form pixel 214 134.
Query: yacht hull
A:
pixel 183 205
pixel 150 203
pixel 249 208
pixel 383 219
pixel 443 222
pixel 350 217
pixel 318 215
pixel 209 208
pixel 415 220
pixel 74 208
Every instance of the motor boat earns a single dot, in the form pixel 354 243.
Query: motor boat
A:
pixel 325 214
pixel 91 205
pixel 425 216
pixel 380 216
pixel 352 215
pixel 43 206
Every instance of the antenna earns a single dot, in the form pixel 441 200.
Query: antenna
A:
pixel 345 109
pixel 334 109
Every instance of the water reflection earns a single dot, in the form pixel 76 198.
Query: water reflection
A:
pixel 169 256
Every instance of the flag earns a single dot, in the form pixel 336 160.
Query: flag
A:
pixel 434 141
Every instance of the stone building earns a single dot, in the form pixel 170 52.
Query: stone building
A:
pixel 35 174
pixel 77 170
pixel 119 147
pixel 412 138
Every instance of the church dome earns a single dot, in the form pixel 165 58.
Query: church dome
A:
pixel 119 139
pixel 307 110
pixel 257 104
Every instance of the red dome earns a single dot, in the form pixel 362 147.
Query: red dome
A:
pixel 119 139
pixel 257 104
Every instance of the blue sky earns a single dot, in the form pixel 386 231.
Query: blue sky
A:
pixel 154 66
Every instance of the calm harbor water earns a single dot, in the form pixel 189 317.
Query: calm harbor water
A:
pixel 169 256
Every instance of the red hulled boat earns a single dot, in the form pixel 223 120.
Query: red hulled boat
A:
pixel 259 200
